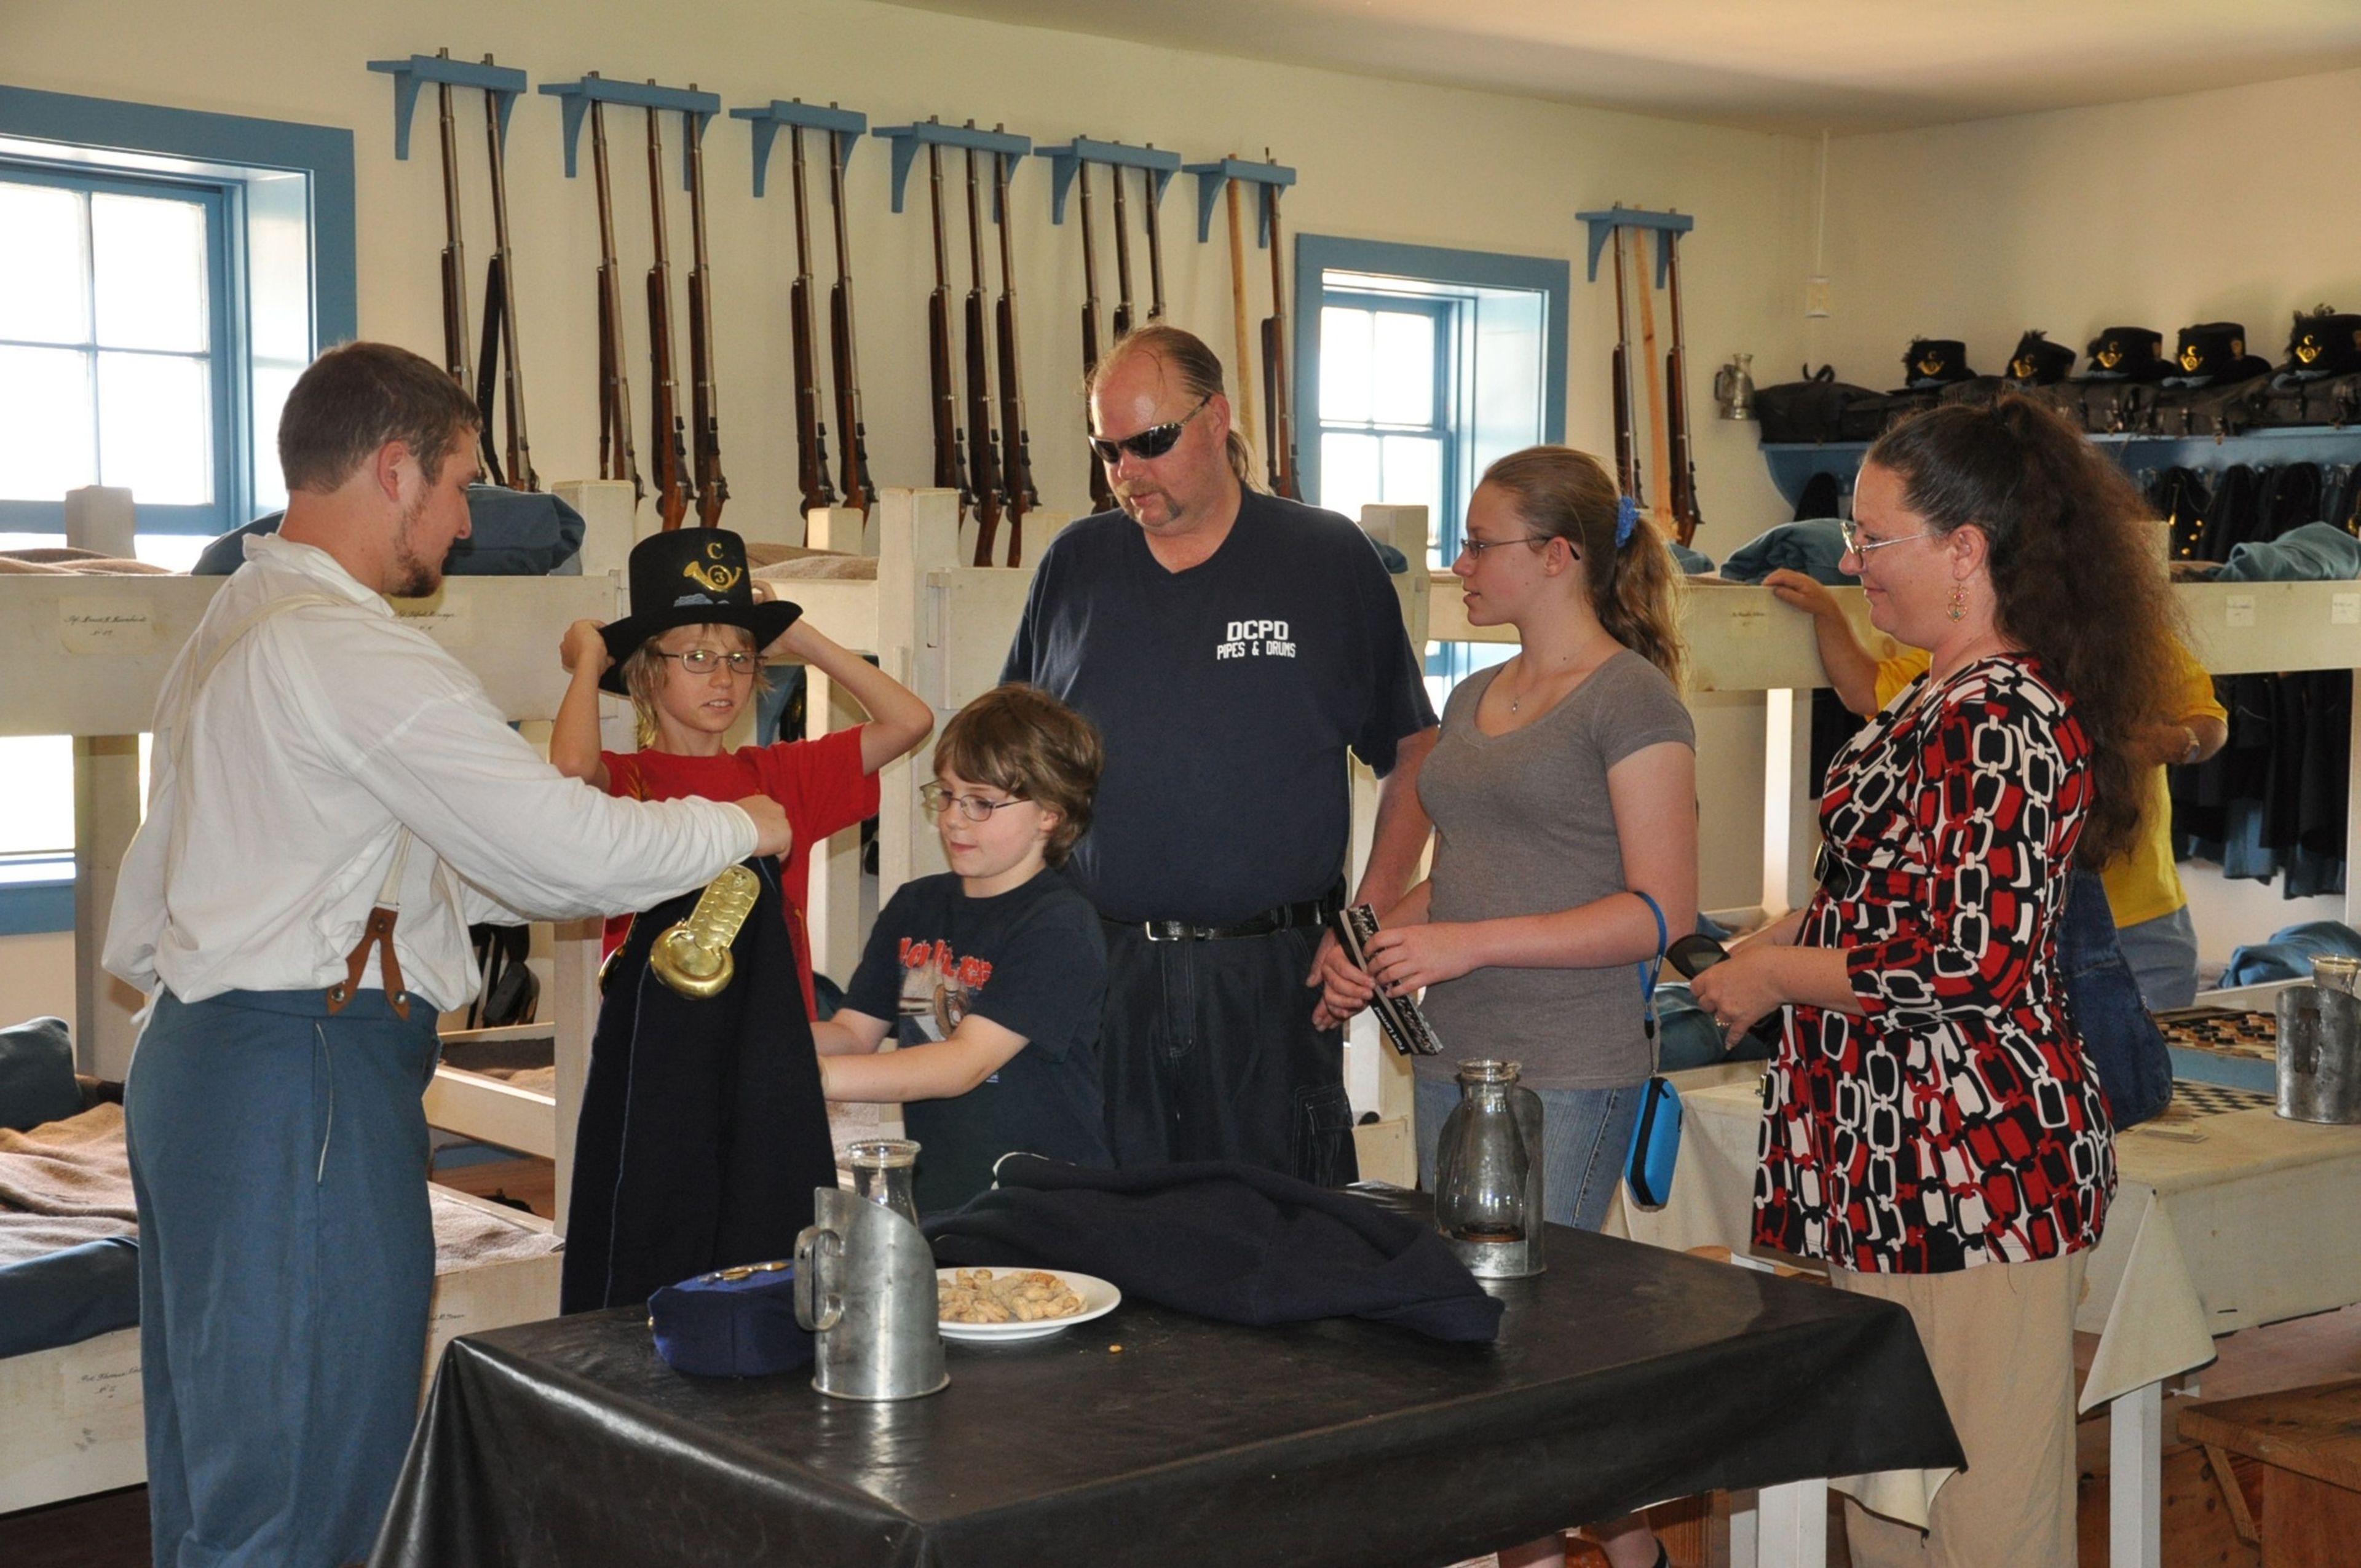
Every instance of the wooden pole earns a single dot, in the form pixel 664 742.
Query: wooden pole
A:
pixel 1241 368
pixel 1660 449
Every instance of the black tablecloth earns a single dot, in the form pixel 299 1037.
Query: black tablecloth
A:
pixel 1624 1375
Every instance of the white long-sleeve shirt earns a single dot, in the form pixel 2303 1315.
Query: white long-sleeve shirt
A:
pixel 322 732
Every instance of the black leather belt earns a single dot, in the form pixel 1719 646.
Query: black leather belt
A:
pixel 1310 912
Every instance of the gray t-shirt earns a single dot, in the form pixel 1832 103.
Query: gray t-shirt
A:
pixel 1524 826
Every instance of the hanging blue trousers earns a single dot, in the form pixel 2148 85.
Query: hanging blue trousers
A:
pixel 286 1260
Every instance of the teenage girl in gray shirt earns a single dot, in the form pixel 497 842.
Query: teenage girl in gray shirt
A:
pixel 1565 780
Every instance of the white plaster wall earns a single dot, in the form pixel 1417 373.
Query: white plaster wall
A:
pixel 37 976
pixel 1378 160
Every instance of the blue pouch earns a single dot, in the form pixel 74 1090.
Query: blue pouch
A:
pixel 1656 1136
pixel 1655 1144
pixel 734 1322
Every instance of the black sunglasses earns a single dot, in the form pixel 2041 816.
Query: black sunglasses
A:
pixel 1154 441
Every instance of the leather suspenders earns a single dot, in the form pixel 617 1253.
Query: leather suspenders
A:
pixel 379 931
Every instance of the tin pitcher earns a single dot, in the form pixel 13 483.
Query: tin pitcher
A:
pixel 865 1287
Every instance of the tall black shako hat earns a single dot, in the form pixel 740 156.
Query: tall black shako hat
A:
pixel 690 577
pixel 1931 362
pixel 2127 354
pixel 2214 353
pixel 2038 362
pixel 2322 343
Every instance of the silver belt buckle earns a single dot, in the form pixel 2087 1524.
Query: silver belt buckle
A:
pixel 1165 930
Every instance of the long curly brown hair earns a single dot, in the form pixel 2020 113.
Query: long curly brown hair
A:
pixel 2079 580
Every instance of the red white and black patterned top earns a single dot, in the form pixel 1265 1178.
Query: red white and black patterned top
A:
pixel 1956 1121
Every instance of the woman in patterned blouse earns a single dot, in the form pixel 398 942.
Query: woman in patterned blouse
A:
pixel 1930 1127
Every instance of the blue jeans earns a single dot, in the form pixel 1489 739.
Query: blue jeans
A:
pixel 1586 1138
pixel 2163 956
pixel 2120 1040
pixel 279 1158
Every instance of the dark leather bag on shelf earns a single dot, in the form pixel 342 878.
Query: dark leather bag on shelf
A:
pixel 2106 406
pixel 2281 401
pixel 2208 411
pixel 1811 410
pixel 1866 418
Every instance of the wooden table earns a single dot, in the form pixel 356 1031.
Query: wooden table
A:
pixel 2309 1442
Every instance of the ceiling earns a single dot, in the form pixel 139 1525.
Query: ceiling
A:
pixel 1778 65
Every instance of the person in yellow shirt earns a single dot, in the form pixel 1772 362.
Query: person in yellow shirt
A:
pixel 2144 891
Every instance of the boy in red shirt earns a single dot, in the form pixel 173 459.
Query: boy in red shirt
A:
pixel 690 656
pixel 702 1131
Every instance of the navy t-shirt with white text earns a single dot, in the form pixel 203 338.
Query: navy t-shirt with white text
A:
pixel 1227 695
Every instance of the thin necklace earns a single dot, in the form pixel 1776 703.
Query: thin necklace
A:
pixel 1516 701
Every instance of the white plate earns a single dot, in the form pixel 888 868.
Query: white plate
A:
pixel 1099 1298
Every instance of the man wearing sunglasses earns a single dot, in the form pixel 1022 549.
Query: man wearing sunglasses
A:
pixel 1231 647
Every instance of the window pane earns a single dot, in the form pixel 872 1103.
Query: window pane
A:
pixel 155 427
pixel 173 551
pixel 41 297
pixel 45 435
pixel 1403 369
pixel 148 259
pixel 1343 364
pixel 1413 474
pixel 1349 473
pixel 271 385
pixel 40 795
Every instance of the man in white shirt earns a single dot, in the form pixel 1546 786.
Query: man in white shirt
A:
pixel 333 799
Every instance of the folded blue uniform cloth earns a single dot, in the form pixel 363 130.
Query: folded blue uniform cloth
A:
pixel 68 1296
pixel 734 1322
pixel 2289 954
pixel 1811 547
pixel 512 533
pixel 1226 1241
pixel 2314 553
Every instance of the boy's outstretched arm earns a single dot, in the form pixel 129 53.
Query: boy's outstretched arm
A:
pixel 573 735
pixel 847 1033
pixel 944 1069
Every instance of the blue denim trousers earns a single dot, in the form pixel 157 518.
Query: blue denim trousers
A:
pixel 2121 1041
pixel 279 1159
pixel 1586 1138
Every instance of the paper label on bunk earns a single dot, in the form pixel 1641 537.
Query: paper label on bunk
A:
pixel 452 628
pixel 115 626
pixel 2238 610
pixel 2344 609
pixel 1747 621
pixel 101 1382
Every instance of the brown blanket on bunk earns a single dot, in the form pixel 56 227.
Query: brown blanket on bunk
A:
pixel 821 565
pixel 67 1182
pixel 70 1169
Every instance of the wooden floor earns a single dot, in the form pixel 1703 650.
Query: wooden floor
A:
pixel 109 1530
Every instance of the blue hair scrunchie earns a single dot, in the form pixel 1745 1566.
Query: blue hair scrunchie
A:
pixel 1627 518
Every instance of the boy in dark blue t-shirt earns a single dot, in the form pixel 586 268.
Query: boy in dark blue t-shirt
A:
pixel 994 975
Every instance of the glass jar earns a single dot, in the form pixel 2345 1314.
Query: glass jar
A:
pixel 881 1170
pixel 1487 1188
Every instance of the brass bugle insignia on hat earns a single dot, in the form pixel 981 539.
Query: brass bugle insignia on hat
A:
pixel 2110 355
pixel 2308 349
pixel 1931 365
pixel 2022 368
pixel 693 958
pixel 2190 358
pixel 712 579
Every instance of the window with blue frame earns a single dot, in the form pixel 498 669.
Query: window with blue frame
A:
pixel 115 361
pixel 165 275
pixel 1418 367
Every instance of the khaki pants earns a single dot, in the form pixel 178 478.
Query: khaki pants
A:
pixel 2000 1338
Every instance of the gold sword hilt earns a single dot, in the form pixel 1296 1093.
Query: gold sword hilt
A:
pixel 692 957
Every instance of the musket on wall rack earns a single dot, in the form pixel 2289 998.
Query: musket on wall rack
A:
pixel 843 128
pixel 998 463
pixel 498 365
pixel 1069 170
pixel 1265 180
pixel 587 99
pixel 1676 511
